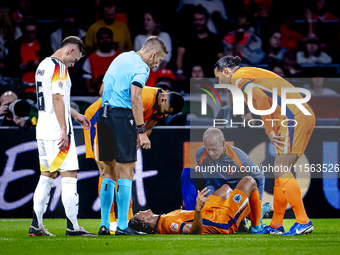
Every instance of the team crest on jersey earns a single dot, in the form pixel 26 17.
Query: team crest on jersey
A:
pixel 237 198
pixel 229 170
pixel 174 227
pixel 147 69
pixel 60 84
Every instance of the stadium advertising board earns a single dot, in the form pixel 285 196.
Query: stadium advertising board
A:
pixel 157 180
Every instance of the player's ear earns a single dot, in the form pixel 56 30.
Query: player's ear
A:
pixel 70 50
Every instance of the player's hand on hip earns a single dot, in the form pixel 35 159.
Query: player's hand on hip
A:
pixel 63 143
pixel 201 198
pixel 275 140
pixel 144 141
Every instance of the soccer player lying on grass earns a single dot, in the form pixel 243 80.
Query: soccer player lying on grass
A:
pixel 219 213
pixel 216 153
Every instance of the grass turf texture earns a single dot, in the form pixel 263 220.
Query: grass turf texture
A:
pixel 14 239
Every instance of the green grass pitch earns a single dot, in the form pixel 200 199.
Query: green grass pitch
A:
pixel 14 239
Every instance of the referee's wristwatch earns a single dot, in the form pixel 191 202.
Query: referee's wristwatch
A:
pixel 141 128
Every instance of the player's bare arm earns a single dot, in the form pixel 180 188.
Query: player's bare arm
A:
pixel 149 125
pixel 81 119
pixel 101 90
pixel 137 110
pixel 59 109
pixel 197 225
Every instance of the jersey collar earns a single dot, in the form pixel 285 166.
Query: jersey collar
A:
pixel 155 229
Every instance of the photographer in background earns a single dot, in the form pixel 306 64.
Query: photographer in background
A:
pixel 13 111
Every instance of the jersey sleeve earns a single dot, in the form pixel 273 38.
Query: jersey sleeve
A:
pixel 141 76
pixel 174 225
pixel 199 155
pixel 59 78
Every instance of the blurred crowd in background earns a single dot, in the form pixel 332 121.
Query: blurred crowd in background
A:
pixel 295 39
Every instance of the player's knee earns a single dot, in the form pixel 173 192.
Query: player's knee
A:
pixel 225 187
pixel 251 182
pixel 247 184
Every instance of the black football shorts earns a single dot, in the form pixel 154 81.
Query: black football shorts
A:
pixel 117 135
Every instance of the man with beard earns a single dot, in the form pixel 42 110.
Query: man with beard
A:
pixel 200 47
pixel 98 62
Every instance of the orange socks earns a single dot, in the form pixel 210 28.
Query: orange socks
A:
pixel 255 207
pixel 292 192
pixel 280 205
pixel 112 212
pixel 130 210
pixel 100 185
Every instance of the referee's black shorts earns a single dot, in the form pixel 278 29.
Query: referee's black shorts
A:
pixel 117 136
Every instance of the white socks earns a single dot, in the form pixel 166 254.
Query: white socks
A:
pixel 41 197
pixel 69 197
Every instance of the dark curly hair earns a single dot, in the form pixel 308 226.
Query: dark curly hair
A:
pixel 142 226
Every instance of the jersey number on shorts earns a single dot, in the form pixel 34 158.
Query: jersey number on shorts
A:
pixel 41 101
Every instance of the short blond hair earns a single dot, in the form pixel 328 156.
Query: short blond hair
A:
pixel 155 43
pixel 217 133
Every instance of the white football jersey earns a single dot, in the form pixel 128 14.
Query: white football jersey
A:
pixel 51 78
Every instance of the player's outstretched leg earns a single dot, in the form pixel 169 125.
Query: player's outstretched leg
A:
pixel 248 186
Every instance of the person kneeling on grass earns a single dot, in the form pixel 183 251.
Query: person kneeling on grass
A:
pixel 219 213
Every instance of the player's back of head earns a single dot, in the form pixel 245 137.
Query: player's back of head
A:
pixel 155 43
pixel 176 101
pixel 142 226
pixel 74 40
pixel 227 62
